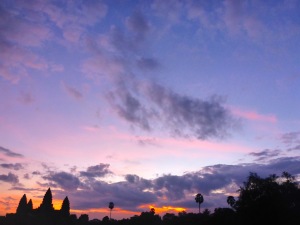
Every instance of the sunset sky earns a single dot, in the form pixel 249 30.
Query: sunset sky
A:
pixel 145 103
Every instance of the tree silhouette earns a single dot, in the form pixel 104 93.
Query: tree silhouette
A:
pixel 231 201
pixel 199 199
pixel 111 205
pixel 152 210
pixel 270 200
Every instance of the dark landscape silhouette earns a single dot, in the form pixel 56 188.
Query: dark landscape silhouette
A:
pixel 271 200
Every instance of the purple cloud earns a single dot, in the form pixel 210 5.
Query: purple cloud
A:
pixel 181 115
pixel 16 166
pixel 64 180
pixel 100 170
pixel 291 137
pixel 265 154
pixel 73 92
pixel 9 153
pixel 9 178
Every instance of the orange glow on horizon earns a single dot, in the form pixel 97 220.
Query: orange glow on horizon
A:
pixel 57 204
pixel 164 209
pixel 103 210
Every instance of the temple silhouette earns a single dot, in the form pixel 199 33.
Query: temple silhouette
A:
pixel 44 214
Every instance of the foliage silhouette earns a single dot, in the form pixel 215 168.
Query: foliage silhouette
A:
pixel 270 200
pixel 199 199
pixel 111 205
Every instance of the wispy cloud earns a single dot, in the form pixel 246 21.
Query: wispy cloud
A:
pixel 254 116
pixel 291 138
pixel 73 92
pixel 13 166
pixel 295 148
pixel 266 154
pixel 26 98
pixel 9 153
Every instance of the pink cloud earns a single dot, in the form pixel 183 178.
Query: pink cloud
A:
pixel 16 60
pixel 101 66
pixel 240 20
pixel 26 98
pixel 254 116
pixel 73 92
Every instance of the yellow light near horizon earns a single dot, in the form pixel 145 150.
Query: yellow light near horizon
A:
pixel 57 204
pixel 165 209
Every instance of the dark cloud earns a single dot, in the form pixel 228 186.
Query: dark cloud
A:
pixel 172 187
pixel 9 178
pixel 138 24
pixel 73 92
pixel 36 173
pixel 265 154
pixel 123 194
pixel 191 116
pixel 10 153
pixel 138 27
pixel 288 164
pixel 131 178
pixel 148 64
pixel 131 109
pixel 295 148
pixel 179 114
pixel 291 137
pixel 16 166
pixel 100 170
pixel 66 181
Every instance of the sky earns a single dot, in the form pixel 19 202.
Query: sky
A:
pixel 145 103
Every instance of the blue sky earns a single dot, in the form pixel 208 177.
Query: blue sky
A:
pixel 145 103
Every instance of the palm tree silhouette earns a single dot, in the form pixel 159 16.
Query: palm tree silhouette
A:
pixel 199 199
pixel 111 205
pixel 231 201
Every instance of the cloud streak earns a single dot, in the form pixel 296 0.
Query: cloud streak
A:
pixel 13 166
pixel 10 153
pixel 266 154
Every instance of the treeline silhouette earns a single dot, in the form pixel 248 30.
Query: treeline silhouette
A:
pixel 271 200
